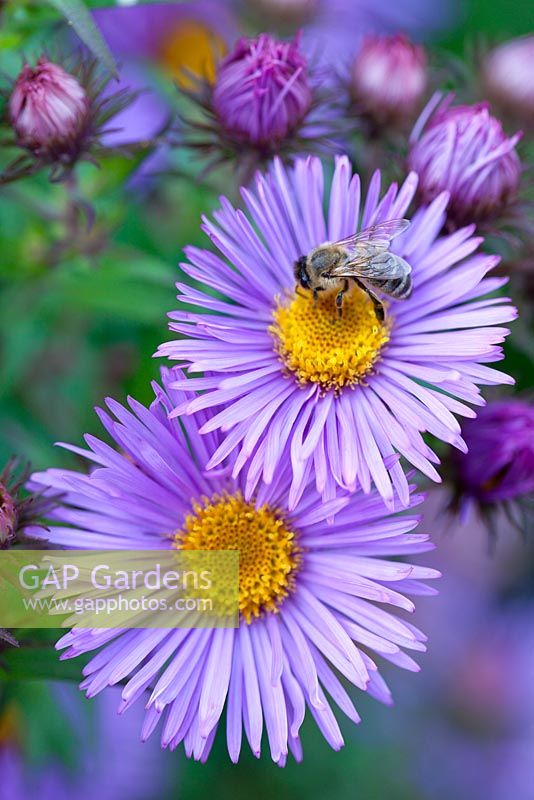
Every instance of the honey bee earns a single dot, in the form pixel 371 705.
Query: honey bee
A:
pixel 364 258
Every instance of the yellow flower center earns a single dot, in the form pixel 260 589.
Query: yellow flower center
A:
pixel 319 346
pixel 191 48
pixel 269 556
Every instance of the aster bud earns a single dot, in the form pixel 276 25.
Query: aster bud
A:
pixel 464 151
pixel 262 92
pixel 508 78
pixel 48 109
pixel 498 468
pixel 21 511
pixel 388 78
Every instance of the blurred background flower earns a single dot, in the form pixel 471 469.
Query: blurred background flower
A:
pixel 181 40
pixel 471 718
pixel 508 80
pixel 388 79
pixel 91 753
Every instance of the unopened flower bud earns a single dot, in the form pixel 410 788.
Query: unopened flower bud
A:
pixel 48 109
pixel 508 77
pixel 464 151
pixel 262 92
pixel 21 511
pixel 388 78
pixel 499 464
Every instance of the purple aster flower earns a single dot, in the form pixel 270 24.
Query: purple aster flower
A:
pixel 388 79
pixel 508 78
pixel 315 600
pixel 338 397
pixel 110 764
pixel 498 469
pixel 463 150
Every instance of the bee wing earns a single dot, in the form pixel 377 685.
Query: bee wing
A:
pixel 382 266
pixel 379 235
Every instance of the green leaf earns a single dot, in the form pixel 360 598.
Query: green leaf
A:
pixel 38 663
pixel 78 16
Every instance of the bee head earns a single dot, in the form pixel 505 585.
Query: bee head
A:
pixel 301 274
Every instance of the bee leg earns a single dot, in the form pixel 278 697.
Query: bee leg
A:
pixel 378 305
pixel 339 298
